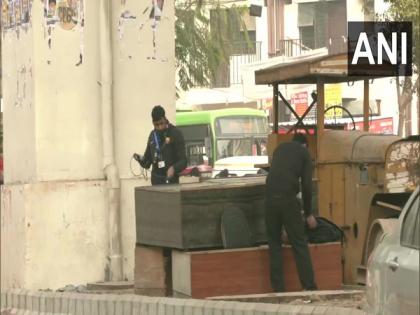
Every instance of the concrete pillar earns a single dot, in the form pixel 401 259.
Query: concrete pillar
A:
pixel 54 205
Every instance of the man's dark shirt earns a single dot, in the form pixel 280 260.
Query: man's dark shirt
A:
pixel 172 150
pixel 290 162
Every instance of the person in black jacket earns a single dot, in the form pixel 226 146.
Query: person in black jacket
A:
pixel 291 168
pixel 165 150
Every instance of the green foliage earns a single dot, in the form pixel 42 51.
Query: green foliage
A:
pixel 203 31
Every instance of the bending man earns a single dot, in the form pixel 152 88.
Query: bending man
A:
pixel 291 164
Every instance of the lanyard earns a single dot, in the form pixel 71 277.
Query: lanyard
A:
pixel 156 142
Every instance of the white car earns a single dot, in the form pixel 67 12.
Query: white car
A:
pixel 392 284
pixel 239 165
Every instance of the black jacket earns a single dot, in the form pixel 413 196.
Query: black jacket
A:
pixel 170 149
pixel 291 162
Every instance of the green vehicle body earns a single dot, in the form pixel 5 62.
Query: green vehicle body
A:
pixel 208 133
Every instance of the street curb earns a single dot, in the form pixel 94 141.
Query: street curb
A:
pixel 18 301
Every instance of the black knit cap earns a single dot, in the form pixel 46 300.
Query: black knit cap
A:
pixel 158 112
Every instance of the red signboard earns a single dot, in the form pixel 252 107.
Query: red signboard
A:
pixel 300 102
pixel 376 125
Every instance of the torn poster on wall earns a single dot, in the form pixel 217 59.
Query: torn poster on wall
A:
pixel 67 14
pixel 24 78
pixel 15 15
pixel 152 14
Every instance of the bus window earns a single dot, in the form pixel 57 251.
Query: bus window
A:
pixel 195 144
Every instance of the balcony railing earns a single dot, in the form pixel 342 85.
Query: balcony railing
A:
pixel 295 47
pixel 290 48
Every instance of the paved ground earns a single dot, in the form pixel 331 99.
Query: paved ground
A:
pixel 354 299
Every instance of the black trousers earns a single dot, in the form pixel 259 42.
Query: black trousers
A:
pixel 285 211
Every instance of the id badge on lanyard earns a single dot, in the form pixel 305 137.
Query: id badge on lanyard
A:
pixel 161 163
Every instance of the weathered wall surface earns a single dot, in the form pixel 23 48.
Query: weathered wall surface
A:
pixel 19 145
pixel 67 98
pixel 13 236
pixel 53 234
pixel 143 76
pixel 54 202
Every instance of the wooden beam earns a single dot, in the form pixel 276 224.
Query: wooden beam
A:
pixel 283 73
pixel 320 107
pixel 366 105
pixel 276 107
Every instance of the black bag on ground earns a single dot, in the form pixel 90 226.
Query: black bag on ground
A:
pixel 325 232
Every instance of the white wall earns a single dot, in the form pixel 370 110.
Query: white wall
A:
pixel 355 10
pixel 67 100
pixel 291 29
pixel 261 25
pixel 19 144
pixel 139 83
pixel 54 214
pixel 385 90
pixel 53 234
pixel 13 236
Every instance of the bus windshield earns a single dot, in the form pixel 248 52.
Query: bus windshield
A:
pixel 228 147
pixel 241 136
pixel 241 125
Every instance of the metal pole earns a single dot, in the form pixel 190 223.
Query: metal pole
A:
pixel 366 105
pixel 108 143
pixel 320 108
pixel 276 108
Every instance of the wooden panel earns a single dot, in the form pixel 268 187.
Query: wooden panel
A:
pixel 150 271
pixel 358 215
pixel 324 191
pixel 226 273
pixel 331 197
pixel 246 271
pixel 350 190
pixel 181 272
pixel 337 194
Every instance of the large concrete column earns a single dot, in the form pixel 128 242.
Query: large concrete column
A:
pixel 54 212
pixel 143 78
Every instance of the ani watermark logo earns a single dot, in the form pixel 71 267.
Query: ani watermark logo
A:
pixel 380 49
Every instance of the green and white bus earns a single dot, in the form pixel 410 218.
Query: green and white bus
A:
pixel 218 134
